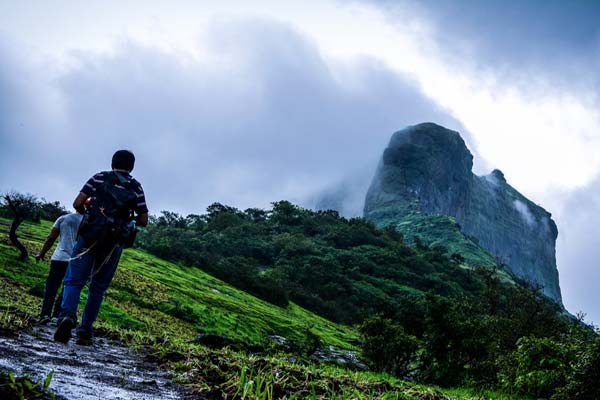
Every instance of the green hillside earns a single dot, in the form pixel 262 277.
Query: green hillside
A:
pixel 159 306
pixel 410 312
pixel 162 298
pixel 345 270
pixel 436 230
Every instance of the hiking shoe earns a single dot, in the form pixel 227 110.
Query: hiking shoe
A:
pixel 63 332
pixel 54 322
pixel 84 338
pixel 43 320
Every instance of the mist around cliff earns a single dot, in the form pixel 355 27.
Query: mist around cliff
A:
pixel 525 212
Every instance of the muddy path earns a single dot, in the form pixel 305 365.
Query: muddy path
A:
pixel 106 370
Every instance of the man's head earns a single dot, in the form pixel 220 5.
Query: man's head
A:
pixel 123 159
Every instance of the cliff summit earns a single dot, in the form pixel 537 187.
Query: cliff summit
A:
pixel 426 170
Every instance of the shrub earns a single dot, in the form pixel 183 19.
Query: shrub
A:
pixel 539 367
pixel 386 346
pixel 583 383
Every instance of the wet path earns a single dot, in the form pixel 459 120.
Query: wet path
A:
pixel 103 371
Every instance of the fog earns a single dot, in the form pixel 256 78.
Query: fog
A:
pixel 269 121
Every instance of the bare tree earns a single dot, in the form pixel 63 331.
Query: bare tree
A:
pixel 22 206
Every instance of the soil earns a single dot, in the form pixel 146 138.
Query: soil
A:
pixel 105 370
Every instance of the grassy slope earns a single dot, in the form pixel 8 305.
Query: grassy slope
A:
pixel 438 229
pixel 161 305
pixel 149 294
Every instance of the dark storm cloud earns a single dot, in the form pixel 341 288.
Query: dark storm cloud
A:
pixel 556 37
pixel 264 117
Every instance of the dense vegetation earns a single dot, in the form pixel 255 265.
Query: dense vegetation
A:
pixel 22 388
pixel 434 229
pixel 425 314
pixel 161 307
pixel 343 269
pixel 37 209
pixel 164 299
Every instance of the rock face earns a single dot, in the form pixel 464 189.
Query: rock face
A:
pixel 427 169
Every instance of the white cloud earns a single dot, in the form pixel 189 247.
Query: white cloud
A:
pixel 543 135
pixel 525 212
pixel 260 117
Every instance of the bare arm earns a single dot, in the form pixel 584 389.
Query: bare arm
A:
pixel 48 244
pixel 79 203
pixel 142 219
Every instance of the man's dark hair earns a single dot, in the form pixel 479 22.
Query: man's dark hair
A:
pixel 123 159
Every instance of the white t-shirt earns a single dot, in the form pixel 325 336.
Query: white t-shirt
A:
pixel 68 225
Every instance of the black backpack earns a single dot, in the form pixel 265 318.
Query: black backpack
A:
pixel 107 219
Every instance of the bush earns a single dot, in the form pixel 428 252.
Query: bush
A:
pixel 539 367
pixel 386 346
pixel 51 210
pixel 584 381
pixel 12 387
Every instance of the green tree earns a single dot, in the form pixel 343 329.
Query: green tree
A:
pixel 386 346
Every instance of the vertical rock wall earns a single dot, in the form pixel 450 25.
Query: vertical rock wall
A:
pixel 427 168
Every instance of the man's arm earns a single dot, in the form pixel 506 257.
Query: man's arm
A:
pixel 48 244
pixel 141 210
pixel 142 219
pixel 79 203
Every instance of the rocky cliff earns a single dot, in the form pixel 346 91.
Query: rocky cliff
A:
pixel 426 170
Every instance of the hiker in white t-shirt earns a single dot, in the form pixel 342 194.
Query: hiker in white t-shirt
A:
pixel 65 227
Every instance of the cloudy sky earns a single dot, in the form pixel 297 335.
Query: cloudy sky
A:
pixel 250 103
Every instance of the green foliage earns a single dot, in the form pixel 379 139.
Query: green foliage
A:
pixel 140 309
pixel 153 297
pixel 31 207
pixel 505 336
pixel 562 368
pixel 51 210
pixel 537 367
pixel 20 206
pixel 48 380
pixel 342 269
pixel 584 377
pixel 23 388
pixel 465 338
pixel 386 346
pixel 421 228
pixel 438 321
pixel 226 374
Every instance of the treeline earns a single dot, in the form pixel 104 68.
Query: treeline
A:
pixel 29 207
pixel 343 269
pixel 509 338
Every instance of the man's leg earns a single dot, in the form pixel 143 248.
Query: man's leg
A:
pixel 77 275
pixel 100 281
pixel 58 302
pixel 53 282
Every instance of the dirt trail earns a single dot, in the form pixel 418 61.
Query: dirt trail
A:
pixel 103 371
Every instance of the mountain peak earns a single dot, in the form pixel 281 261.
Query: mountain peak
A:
pixel 427 169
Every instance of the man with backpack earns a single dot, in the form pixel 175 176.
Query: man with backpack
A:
pixel 117 204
